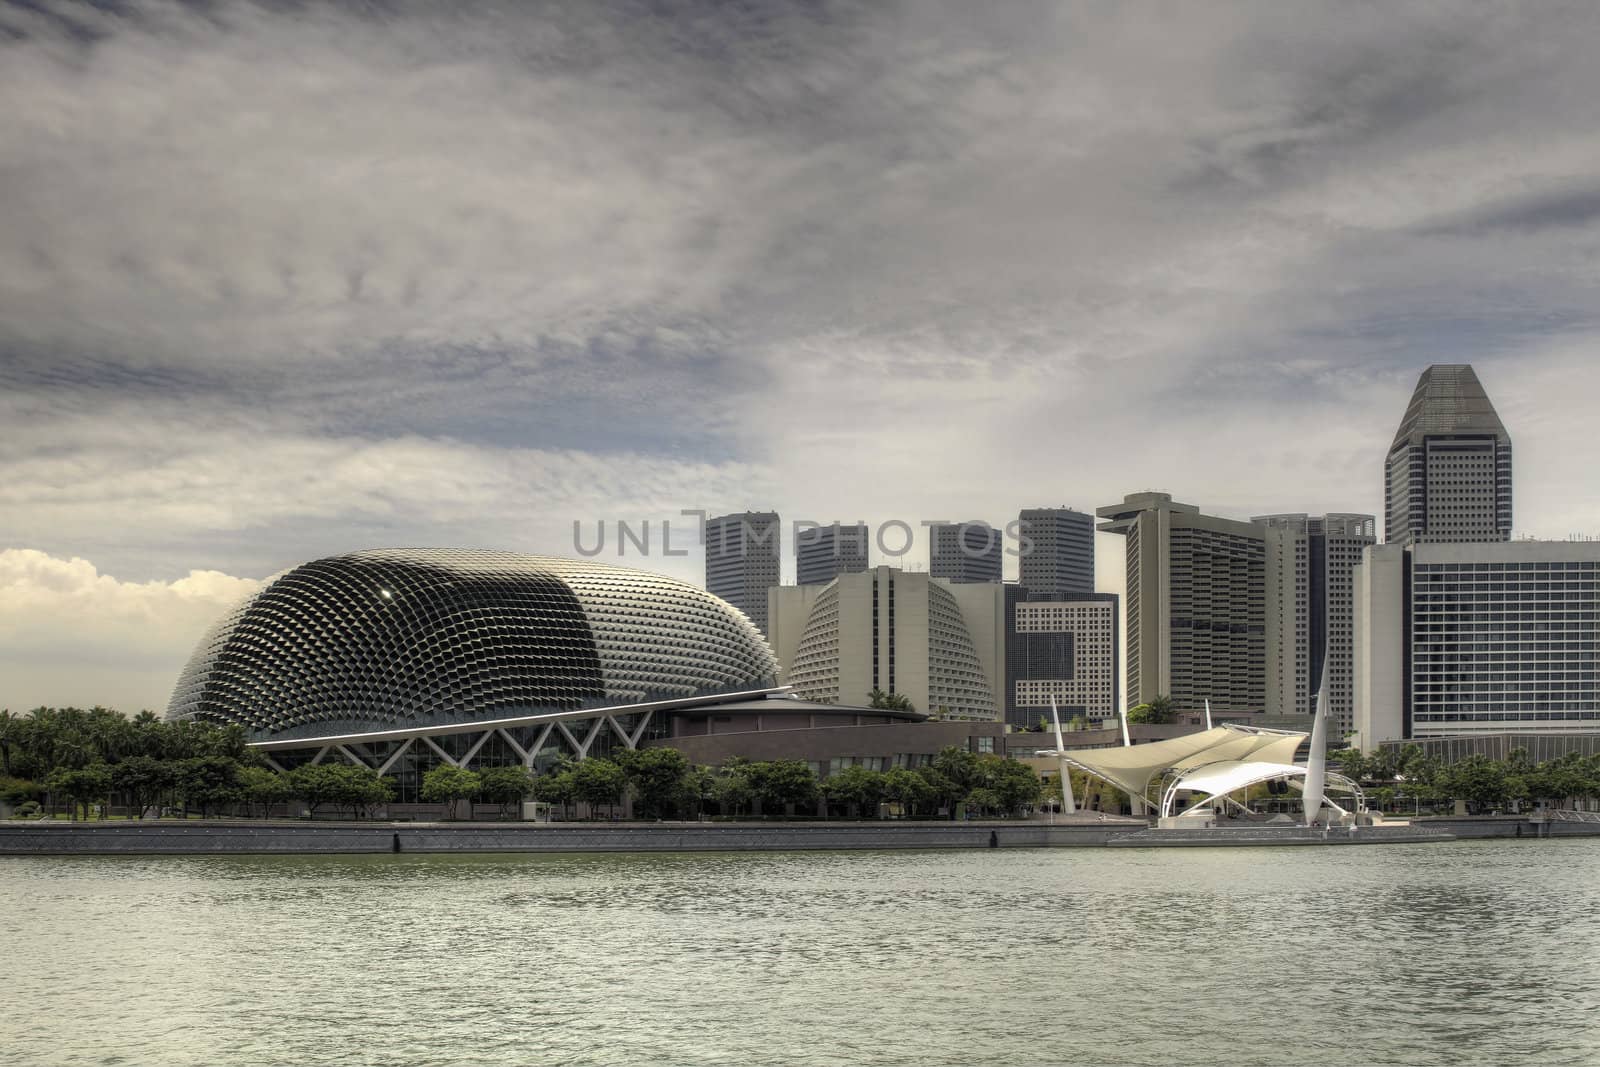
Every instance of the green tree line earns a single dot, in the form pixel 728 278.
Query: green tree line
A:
pixel 96 757
pixel 1393 777
pixel 82 759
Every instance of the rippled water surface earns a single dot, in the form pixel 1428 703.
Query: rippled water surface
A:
pixel 1469 953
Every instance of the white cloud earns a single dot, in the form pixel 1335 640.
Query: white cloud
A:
pixel 70 635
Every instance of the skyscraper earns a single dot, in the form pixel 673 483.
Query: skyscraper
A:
pixel 1457 639
pixel 1063 650
pixel 1057 546
pixel 822 553
pixel 1448 473
pixel 742 561
pixel 1196 604
pixel 1309 588
pixel 964 552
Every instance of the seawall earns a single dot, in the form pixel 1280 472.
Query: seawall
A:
pixel 219 837
pixel 225 837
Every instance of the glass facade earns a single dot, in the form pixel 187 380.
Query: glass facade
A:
pixel 428 637
pixel 1507 643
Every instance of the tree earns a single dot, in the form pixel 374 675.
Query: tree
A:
pixel 555 787
pixel 597 781
pixel 264 786
pixel 207 782
pixel 1156 712
pixel 1477 780
pixel 314 784
pixel 447 785
pixel 83 786
pixel 857 787
pixel 360 789
pixel 959 766
pixel 12 730
pixel 1352 764
pixel 733 791
pixel 1013 784
pixel 700 787
pixel 1383 764
pixel 505 786
pixel 906 788
pixel 143 780
pixel 982 800
pixel 779 783
pixel 877 698
pixel 942 791
pixel 1562 781
pixel 656 776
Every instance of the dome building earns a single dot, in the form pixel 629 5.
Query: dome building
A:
pixel 424 637
pixel 402 659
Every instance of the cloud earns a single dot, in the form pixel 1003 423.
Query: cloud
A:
pixel 284 282
pixel 70 635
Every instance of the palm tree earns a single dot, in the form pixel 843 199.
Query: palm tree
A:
pixel 11 735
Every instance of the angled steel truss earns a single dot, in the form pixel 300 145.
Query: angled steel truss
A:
pixel 576 733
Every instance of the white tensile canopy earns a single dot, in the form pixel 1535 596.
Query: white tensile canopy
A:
pixel 1219 779
pixel 1132 768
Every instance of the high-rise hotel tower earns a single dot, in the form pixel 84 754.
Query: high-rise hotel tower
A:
pixel 1447 477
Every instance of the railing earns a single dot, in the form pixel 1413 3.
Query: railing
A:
pixel 1569 815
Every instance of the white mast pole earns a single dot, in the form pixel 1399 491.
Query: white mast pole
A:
pixel 1317 762
pixel 1067 806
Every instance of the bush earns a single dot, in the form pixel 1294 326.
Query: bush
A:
pixel 28 809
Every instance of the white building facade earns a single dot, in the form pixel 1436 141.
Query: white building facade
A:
pixel 1485 637
pixel 940 645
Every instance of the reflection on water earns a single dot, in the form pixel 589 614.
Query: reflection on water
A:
pixel 1465 953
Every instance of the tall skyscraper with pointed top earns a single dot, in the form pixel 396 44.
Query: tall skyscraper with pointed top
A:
pixel 1448 474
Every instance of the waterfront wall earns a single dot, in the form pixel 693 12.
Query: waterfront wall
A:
pixel 317 837
pixel 295 838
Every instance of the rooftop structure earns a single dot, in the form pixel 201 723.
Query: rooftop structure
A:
pixel 1447 476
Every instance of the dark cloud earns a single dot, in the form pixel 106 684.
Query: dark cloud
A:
pixel 281 279
pixel 1572 207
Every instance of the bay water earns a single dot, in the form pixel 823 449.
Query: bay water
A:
pixel 1460 953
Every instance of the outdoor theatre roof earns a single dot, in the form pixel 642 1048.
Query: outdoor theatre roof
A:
pixel 1134 767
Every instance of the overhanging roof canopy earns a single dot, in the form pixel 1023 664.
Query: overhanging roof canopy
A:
pixel 1134 767
pixel 1229 776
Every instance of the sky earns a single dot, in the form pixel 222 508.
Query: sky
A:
pixel 281 281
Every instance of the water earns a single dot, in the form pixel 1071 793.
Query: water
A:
pixel 1462 953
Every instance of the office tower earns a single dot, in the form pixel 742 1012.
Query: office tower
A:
pixel 964 552
pixel 1448 473
pixel 938 644
pixel 1310 594
pixel 1458 639
pixel 1064 649
pixel 822 553
pixel 742 561
pixel 1057 552
pixel 1196 605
